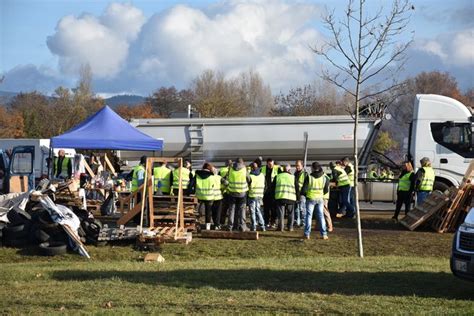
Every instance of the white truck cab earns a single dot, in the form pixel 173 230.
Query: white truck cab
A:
pixel 442 130
pixel 462 256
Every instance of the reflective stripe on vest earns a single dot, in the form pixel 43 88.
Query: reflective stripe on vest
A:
pixel 326 196
pixel 428 180
pixel 217 187
pixel 404 182
pixel 64 167
pixel 257 186
pixel 135 177
pixel 238 181
pixel 342 178
pixel 351 175
pixel 162 179
pixel 184 178
pixel 274 171
pixel 205 188
pixel 285 187
pixel 316 187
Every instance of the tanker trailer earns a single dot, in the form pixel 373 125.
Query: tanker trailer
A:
pixel 281 138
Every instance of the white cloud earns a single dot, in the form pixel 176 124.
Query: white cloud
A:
pixel 173 47
pixel 455 49
pixel 102 42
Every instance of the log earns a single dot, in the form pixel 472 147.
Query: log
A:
pixel 219 234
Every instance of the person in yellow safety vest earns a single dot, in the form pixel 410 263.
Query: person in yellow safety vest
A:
pixel 315 187
pixel 300 209
pixel 223 172
pixel 404 190
pixel 255 196
pixel 424 180
pixel 138 174
pixel 204 189
pixel 349 169
pixel 238 186
pixel 162 179
pixel 218 198
pixel 327 214
pixel 372 175
pixel 270 170
pixel 62 168
pixel 284 193
pixel 343 184
pixel 186 178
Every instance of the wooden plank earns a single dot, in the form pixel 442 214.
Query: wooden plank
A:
pixel 410 221
pixel 88 169
pixel 130 214
pixel 109 164
pixel 219 234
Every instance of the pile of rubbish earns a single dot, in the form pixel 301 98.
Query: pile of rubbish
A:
pixel 34 219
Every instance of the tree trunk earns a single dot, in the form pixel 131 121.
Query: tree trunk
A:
pixel 356 174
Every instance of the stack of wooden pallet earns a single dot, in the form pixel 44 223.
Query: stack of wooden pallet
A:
pixel 444 211
pixel 165 211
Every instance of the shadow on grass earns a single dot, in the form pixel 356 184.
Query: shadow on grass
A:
pixel 422 284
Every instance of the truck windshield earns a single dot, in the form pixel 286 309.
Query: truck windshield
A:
pixel 454 136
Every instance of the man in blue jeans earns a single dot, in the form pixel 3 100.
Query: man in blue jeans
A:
pixel 300 209
pixel 255 196
pixel 341 178
pixel 314 187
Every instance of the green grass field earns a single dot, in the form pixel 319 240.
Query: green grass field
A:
pixel 403 272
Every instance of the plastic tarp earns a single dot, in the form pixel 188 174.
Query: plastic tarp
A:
pixel 106 130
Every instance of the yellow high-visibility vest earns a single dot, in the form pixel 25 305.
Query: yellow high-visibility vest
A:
pixel 342 178
pixel 237 181
pixel 428 180
pixel 162 179
pixel 205 188
pixel 285 187
pixel 257 186
pixel 135 176
pixel 184 178
pixel 316 187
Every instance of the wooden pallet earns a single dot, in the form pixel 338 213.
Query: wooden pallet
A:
pixel 118 233
pixel 168 234
pixel 421 213
pixel 446 219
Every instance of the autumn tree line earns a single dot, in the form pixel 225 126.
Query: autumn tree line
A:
pixel 35 115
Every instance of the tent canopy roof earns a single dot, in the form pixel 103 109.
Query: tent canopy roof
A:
pixel 106 130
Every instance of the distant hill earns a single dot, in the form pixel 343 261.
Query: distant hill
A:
pixel 127 99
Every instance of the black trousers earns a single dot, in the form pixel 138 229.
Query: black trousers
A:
pixel 283 207
pixel 403 197
pixel 225 208
pixel 216 212
pixel 237 213
pixel 206 208
pixel 269 209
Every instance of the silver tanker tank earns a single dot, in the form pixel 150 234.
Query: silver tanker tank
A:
pixel 282 138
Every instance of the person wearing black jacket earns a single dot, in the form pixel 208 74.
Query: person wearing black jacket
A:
pixel 314 187
pixel 203 186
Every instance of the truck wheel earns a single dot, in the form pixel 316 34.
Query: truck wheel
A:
pixel 440 186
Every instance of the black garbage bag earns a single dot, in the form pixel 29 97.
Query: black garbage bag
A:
pixel 109 206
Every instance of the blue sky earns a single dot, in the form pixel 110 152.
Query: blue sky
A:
pixel 157 41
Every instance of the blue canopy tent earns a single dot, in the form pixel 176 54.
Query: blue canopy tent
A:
pixel 106 130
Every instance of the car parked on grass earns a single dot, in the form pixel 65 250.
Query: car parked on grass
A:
pixel 462 256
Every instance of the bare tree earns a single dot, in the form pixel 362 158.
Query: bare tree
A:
pixel 365 49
